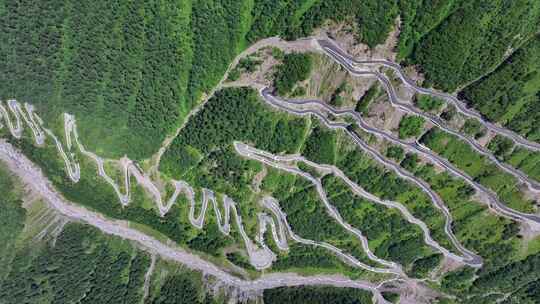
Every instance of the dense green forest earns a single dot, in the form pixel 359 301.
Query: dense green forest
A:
pixel 455 42
pixel 428 103
pixel 175 285
pixel 83 266
pixel 80 265
pixel 117 65
pixel 130 71
pixel 511 93
pixel 12 218
pixel 130 66
pixel 292 19
pixel 203 152
pixel 138 67
pixel 316 295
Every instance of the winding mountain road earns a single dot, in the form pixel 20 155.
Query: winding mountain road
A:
pixel 472 259
pixel 494 202
pixel 34 178
pixel 276 162
pixel 350 62
pixel 344 60
pixel 260 256
pixel 270 160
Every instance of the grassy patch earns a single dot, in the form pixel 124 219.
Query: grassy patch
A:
pixel 478 167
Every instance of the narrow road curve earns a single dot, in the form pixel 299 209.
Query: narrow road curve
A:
pixel 272 204
pixel 260 257
pixel 473 260
pixel 333 49
pixel 257 154
pixel 494 202
pixel 34 178
pixel 269 160
pixel 344 60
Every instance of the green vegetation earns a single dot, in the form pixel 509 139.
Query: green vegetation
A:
pixel 94 193
pixel 526 294
pixel 389 234
pixel 449 113
pixel 320 146
pixel 234 75
pixel 308 216
pixel 411 126
pixel 419 18
pixel 203 152
pixel 395 152
pixel 295 67
pixel 494 238
pixel 459 41
pixel 316 295
pixel 304 257
pixel 248 64
pixel 509 277
pixel 410 162
pixel 390 296
pixel 473 128
pixel 516 281
pixel 336 99
pixel 501 146
pixel 80 265
pixel 428 103
pixel 237 114
pixel 526 161
pixel 478 167
pixel 176 285
pixel 115 65
pixel 12 217
pixel 178 289
pixel 240 260
pixel 293 19
pixel 139 68
pixel 83 266
pixel 362 106
pixel 384 183
pixel 422 267
pixel 511 93
pixel 457 280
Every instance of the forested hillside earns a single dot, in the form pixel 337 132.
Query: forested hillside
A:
pixel 474 38
pixel 137 67
pixel 511 93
